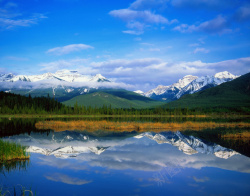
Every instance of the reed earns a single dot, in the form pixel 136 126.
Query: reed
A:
pixel 12 151
pixel 131 126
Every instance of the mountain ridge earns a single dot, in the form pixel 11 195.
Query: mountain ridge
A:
pixel 234 94
pixel 187 85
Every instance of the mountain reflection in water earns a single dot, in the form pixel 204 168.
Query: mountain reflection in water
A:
pixel 148 163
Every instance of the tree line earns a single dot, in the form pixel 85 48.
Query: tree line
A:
pixel 18 104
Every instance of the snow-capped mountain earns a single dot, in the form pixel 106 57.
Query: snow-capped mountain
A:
pixel 187 85
pixel 62 75
pixel 67 151
pixel 62 84
pixel 205 82
pixel 169 92
pixel 189 144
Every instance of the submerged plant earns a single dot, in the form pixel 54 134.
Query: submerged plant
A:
pixel 21 191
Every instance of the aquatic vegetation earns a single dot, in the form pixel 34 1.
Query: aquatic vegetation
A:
pixel 19 190
pixel 12 151
pixel 137 126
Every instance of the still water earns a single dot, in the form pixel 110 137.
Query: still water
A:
pixel 109 163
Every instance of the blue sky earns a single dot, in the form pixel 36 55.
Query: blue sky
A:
pixel 143 43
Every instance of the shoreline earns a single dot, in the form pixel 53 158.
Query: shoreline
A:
pixel 117 116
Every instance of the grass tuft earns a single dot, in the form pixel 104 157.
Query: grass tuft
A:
pixel 12 151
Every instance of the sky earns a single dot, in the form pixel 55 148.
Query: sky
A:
pixel 143 43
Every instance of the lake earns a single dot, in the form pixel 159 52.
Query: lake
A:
pixel 125 163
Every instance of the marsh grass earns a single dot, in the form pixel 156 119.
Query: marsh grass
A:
pixel 12 151
pixel 131 126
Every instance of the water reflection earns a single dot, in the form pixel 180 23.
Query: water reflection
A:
pixel 146 151
pixel 108 163
pixel 20 165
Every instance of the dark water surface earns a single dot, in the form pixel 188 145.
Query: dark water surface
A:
pixel 128 163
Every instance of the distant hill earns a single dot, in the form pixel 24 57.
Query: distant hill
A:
pixel 117 98
pixel 233 94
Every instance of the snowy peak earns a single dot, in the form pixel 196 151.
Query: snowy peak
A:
pixel 61 75
pixel 205 82
pixel 171 89
pixel 99 78
pixel 187 85
pixel 225 75
pixel 185 81
pixel 189 144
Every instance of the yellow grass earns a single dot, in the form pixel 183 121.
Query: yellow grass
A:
pixel 130 126
pixel 245 134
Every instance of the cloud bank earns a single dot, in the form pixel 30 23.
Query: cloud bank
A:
pixel 139 16
pixel 10 17
pixel 136 74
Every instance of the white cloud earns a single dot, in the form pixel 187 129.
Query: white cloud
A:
pixel 147 73
pixel 153 72
pixel 149 4
pixel 127 63
pixel 132 32
pixel 69 49
pixel 131 15
pixel 57 177
pixel 140 16
pixel 203 50
pixel 11 17
pixel 217 25
pixel 63 64
pixel 10 23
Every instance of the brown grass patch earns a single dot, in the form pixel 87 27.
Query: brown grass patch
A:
pixel 245 135
pixel 130 126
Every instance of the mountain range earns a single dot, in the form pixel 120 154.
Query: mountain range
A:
pixel 70 87
pixel 62 75
pixel 62 85
pixel 187 85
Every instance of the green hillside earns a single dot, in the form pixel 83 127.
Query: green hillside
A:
pixel 115 98
pixel 234 94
